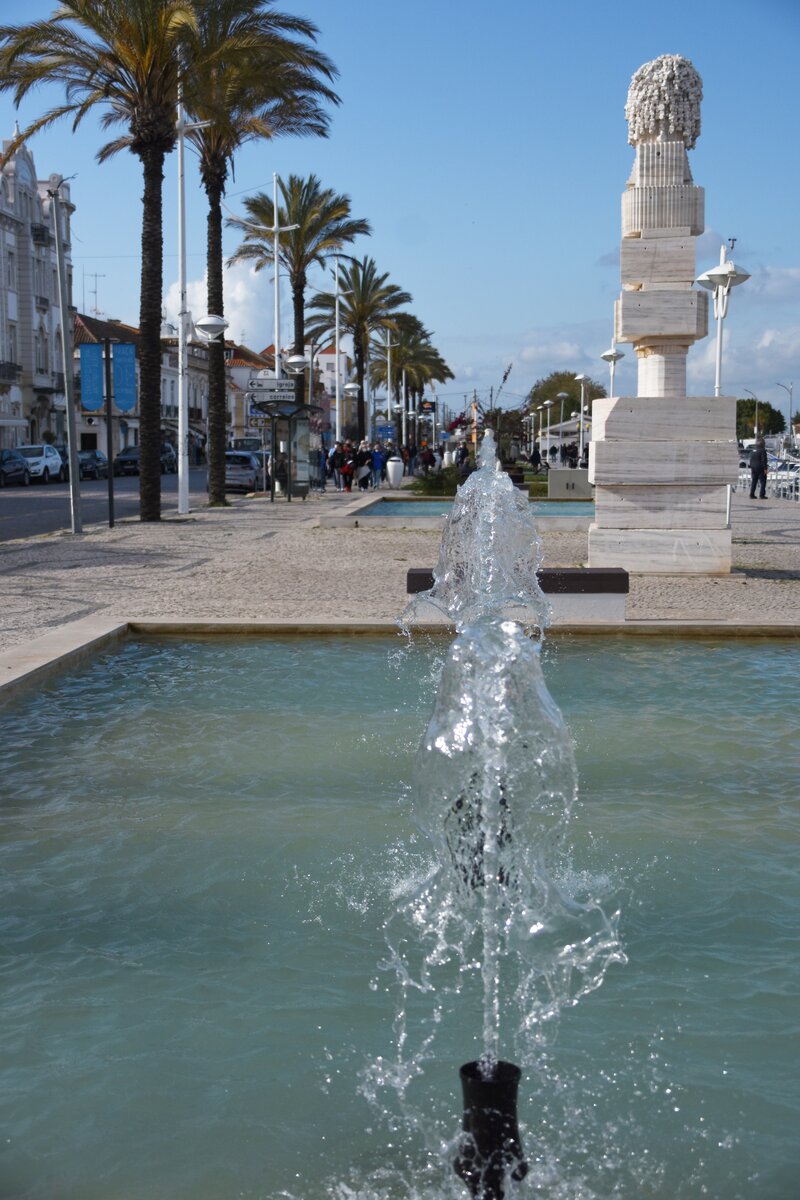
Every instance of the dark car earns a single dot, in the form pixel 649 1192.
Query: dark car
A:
pixel 169 460
pixel 92 464
pixel 13 468
pixel 127 461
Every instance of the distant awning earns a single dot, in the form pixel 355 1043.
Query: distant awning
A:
pixel 13 422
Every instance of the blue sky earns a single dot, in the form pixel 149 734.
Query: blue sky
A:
pixel 487 146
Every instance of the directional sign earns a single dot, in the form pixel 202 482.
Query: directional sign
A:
pixel 277 387
pixel 258 422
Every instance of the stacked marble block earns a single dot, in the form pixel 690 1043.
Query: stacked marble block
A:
pixel 661 461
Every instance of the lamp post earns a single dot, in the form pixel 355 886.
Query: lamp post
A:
pixel 789 389
pixel 720 280
pixel 548 404
pixel 277 230
pixel 612 357
pixel 582 380
pixel 390 345
pixel 562 396
pixel 755 397
pixel 184 318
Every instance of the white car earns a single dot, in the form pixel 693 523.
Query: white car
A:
pixel 44 462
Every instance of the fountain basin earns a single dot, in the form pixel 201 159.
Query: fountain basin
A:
pixel 201 840
pixel 565 516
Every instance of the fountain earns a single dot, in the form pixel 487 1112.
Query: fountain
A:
pixel 495 783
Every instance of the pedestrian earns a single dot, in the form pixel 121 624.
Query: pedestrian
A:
pixel 378 461
pixel 363 465
pixel 758 470
pixel 536 458
pixel 348 467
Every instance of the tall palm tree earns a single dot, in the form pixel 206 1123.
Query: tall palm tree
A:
pixel 368 301
pixel 324 226
pixel 263 78
pixel 122 56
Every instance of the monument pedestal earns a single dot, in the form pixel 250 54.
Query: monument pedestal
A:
pixel 661 468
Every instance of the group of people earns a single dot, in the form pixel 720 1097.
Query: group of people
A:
pixel 567 452
pixel 362 465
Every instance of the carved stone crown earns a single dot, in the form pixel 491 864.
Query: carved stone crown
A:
pixel 664 102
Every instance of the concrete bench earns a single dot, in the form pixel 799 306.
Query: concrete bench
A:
pixel 578 595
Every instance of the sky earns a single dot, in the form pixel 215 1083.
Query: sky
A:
pixel 487 146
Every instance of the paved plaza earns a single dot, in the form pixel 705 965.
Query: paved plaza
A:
pixel 257 561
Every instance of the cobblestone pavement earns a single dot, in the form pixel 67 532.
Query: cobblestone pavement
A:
pixel 256 560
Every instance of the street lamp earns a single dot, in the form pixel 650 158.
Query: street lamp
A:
pixel 582 380
pixel 562 396
pixel 720 280
pixel 612 357
pixel 755 397
pixel 789 390
pixel 548 404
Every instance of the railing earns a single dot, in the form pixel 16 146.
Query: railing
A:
pixel 9 372
pixel 58 381
pixel 42 301
pixel 40 234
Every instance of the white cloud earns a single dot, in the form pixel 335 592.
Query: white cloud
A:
pixel 248 305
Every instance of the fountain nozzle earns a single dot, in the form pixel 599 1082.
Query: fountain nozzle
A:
pixel 490 1153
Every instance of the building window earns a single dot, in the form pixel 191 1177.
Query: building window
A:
pixel 12 271
pixel 12 343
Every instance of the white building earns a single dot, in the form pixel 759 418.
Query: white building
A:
pixel 32 398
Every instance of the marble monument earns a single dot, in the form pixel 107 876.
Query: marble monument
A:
pixel 661 460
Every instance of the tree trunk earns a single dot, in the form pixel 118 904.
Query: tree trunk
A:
pixel 358 349
pixel 298 310
pixel 150 338
pixel 217 429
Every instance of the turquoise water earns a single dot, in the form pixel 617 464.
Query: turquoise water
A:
pixel 199 843
pixel 441 508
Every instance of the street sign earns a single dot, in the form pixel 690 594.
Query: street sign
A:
pixel 275 387
pixel 258 422
pixel 427 406
pixel 384 431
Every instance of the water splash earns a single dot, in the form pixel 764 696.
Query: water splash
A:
pixel 490 552
pixel 500 927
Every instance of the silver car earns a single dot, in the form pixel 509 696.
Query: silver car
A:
pixel 241 471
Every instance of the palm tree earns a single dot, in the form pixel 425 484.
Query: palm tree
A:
pixel 324 226
pixel 123 57
pixel 262 79
pixel 414 359
pixel 367 302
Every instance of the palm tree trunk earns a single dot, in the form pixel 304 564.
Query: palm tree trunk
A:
pixel 360 357
pixel 150 337
pixel 216 349
pixel 298 311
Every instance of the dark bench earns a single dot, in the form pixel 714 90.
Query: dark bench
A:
pixel 572 581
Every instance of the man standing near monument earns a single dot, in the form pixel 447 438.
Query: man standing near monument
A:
pixel 758 470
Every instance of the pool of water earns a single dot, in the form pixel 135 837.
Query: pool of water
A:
pixel 200 842
pixel 441 508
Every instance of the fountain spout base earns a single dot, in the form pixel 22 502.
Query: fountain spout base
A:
pixel 490 1153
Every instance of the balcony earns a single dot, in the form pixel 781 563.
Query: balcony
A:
pixel 40 234
pixel 9 372
pixel 195 414
pixel 42 302
pixel 58 381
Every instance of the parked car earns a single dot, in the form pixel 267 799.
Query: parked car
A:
pixel 44 462
pixel 169 460
pixel 92 464
pixel 63 453
pixel 13 468
pixel 127 461
pixel 241 471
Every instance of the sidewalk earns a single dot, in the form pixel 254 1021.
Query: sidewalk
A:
pixel 261 561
